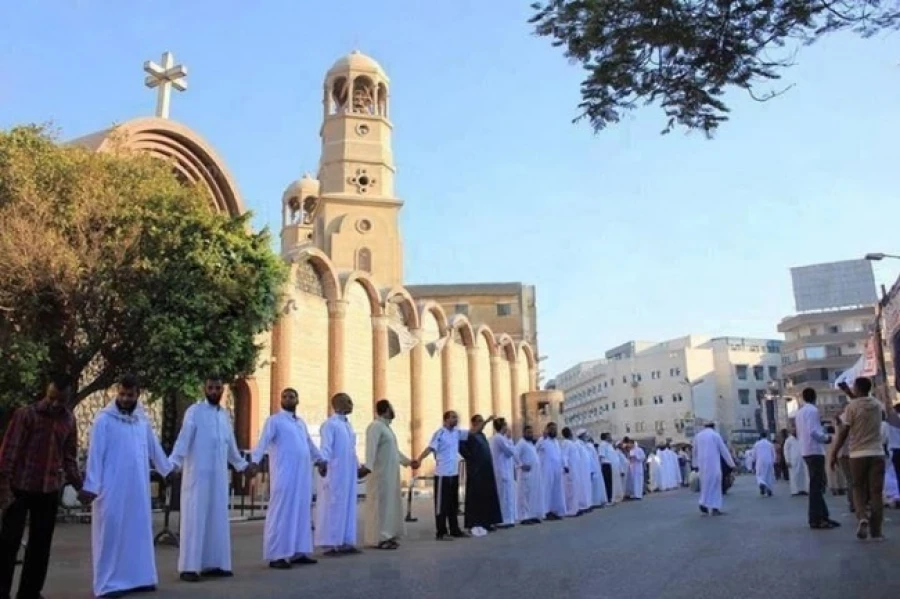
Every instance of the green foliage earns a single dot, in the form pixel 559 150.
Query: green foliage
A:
pixel 683 55
pixel 109 264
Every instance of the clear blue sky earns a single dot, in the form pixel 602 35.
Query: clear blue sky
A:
pixel 627 234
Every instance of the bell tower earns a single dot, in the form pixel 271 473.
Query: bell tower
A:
pixel 358 215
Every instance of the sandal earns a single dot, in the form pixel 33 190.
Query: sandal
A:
pixel 388 545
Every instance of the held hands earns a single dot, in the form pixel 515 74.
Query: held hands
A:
pixel 362 472
pixel 414 465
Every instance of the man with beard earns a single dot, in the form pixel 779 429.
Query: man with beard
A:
pixel 503 451
pixel 292 453
pixel 117 485
pixel 482 503
pixel 203 450
pixel 384 499
pixel 553 472
pixel 530 505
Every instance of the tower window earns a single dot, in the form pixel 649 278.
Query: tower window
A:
pixel 363 95
pixel 504 309
pixel 339 93
pixel 364 260
pixel 461 309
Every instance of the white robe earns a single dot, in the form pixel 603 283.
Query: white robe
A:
pixel 550 454
pixel 292 454
pixel 572 478
pixel 585 498
pixel 598 487
pixel 620 475
pixel 384 497
pixel 636 459
pixel 891 490
pixel 336 499
pixel 764 463
pixel 657 473
pixel 709 451
pixel 530 488
pixel 503 453
pixel 799 475
pixel 748 460
pixel 118 473
pixel 204 448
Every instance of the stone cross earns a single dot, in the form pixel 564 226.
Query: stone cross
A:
pixel 165 77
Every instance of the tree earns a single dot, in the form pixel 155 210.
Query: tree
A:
pixel 683 55
pixel 109 263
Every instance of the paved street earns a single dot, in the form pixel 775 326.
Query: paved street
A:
pixel 660 547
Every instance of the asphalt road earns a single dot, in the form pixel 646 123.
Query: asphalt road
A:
pixel 658 547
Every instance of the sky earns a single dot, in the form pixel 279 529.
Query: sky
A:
pixel 627 234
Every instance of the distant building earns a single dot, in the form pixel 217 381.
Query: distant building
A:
pixel 656 392
pixel 835 310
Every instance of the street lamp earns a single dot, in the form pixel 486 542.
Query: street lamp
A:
pixel 879 256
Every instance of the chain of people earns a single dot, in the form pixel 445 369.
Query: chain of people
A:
pixel 550 476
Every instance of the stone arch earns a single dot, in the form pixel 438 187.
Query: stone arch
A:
pixel 527 367
pixel 406 303
pixel 460 323
pixel 192 158
pixel 434 308
pixel 506 347
pixel 358 353
pixel 244 397
pixel 325 270
pixel 366 282
pixel 488 335
pixel 524 348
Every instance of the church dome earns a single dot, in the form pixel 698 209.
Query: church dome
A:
pixel 358 62
pixel 302 188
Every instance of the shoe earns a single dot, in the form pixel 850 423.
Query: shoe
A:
pixel 769 492
pixel 280 564
pixel 217 573
pixel 304 560
pixel 349 550
pixel 704 509
pixel 553 517
pixel 862 530
pixel 443 538
pixel 879 539
pixel 460 535
pixel 718 513
pixel 762 490
pixel 189 577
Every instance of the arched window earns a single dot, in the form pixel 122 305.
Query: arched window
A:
pixel 364 260
pixel 382 100
pixel 363 101
pixel 339 95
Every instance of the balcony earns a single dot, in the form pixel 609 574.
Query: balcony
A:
pixel 828 339
pixel 841 362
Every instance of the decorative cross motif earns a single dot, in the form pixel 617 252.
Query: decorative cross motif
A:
pixel 165 77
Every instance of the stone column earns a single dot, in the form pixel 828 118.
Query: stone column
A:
pixel 379 358
pixel 472 357
pixel 516 416
pixel 495 384
pixel 446 374
pixel 281 356
pixel 417 407
pixel 337 313
pixel 532 380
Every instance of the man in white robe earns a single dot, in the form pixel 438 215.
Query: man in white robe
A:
pixel 709 451
pixel 553 471
pixel 117 485
pixel 503 456
pixel 203 450
pixel 530 505
pixel 336 498
pixel 572 479
pixel 292 453
pixel 748 460
pixel 620 480
pixel 584 487
pixel 799 476
pixel 599 498
pixel 636 459
pixel 764 464
pixel 655 469
pixel 384 498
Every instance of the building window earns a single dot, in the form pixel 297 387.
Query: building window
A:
pixel 625 403
pixel 627 428
pixel 741 370
pixel 461 309
pixel 639 401
pixel 759 373
pixel 744 397
pixel 364 260
pixel 834 329
pixel 504 309
pixel 613 405
pixel 773 373
pixel 813 332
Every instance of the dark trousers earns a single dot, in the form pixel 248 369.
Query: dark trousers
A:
pixel 818 482
pixel 895 459
pixel 40 511
pixel 844 464
pixel 446 505
pixel 868 489
pixel 606 469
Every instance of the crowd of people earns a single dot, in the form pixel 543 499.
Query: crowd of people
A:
pixel 525 482
pixel 558 474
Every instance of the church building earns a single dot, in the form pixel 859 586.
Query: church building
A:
pixel 348 323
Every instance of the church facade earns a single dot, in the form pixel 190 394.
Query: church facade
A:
pixel 347 323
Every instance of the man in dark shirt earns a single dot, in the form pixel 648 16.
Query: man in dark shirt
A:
pixel 37 458
pixel 482 502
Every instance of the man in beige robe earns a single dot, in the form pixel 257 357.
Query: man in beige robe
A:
pixel 384 500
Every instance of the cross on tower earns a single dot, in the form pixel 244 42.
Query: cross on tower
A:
pixel 165 77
